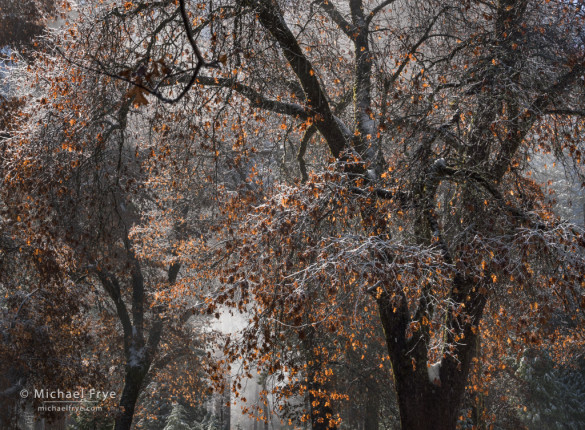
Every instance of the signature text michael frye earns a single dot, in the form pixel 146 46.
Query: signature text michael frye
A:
pixel 73 395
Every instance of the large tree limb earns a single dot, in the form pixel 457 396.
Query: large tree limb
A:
pixel 310 132
pixel 344 25
pixel 462 330
pixel 138 297
pixel 272 20
pixel 377 10
pixel 256 99
pixel 363 82
pixel 156 329
pixel 112 288
pixel 567 112
pixel 530 116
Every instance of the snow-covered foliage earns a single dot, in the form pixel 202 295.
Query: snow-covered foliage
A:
pixel 554 397
pixel 177 419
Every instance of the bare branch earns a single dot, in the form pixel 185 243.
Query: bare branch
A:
pixel 415 47
pixel 112 287
pixel 530 115
pixel 344 25
pixel 256 99
pixel 271 18
pixel 377 10
pixel 568 112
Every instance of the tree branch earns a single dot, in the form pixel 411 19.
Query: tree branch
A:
pixel 112 288
pixel 271 19
pixel 414 48
pixel 345 26
pixel 303 149
pixel 339 108
pixel 363 83
pixel 377 10
pixel 529 117
pixel 573 112
pixel 256 99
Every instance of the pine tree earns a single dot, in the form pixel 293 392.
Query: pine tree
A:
pixel 177 419
pixel 555 396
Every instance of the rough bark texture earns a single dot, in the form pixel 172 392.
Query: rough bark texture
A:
pixel 372 418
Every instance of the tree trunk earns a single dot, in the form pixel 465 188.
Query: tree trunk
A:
pixel 371 420
pixel 132 385
pixel 428 407
pixel 226 402
pixel 426 404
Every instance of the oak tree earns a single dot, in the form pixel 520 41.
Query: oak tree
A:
pixel 405 132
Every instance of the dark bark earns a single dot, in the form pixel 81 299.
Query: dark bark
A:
pixel 363 81
pixel 132 386
pixel 317 100
pixel 426 404
pixel 372 416
pixel 138 353
pixel 139 358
